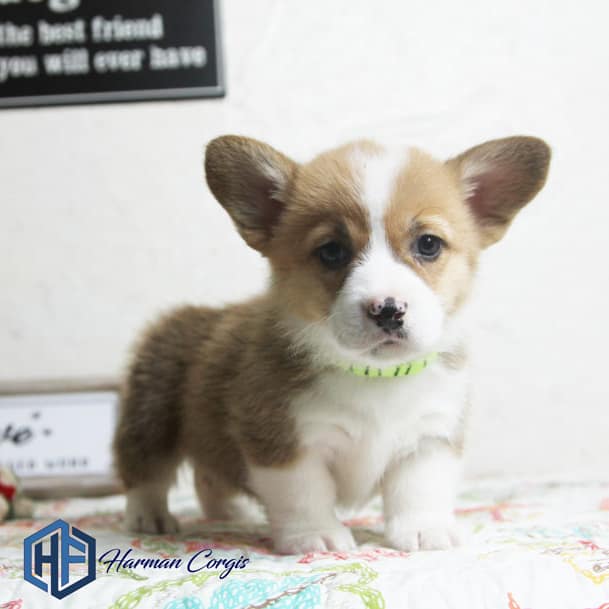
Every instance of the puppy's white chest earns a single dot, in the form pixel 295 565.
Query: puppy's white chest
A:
pixel 360 425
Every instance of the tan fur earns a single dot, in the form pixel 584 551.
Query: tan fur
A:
pixel 427 199
pixel 229 165
pixel 209 385
pixel 214 385
pixel 323 206
pixel 525 162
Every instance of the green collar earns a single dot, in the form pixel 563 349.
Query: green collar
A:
pixel 408 369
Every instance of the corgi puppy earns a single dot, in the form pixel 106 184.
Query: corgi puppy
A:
pixel 348 376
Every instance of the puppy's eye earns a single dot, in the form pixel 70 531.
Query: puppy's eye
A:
pixel 428 247
pixel 333 255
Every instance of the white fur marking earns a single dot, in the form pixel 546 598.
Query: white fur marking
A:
pixel 147 510
pixel 362 425
pixel 301 521
pixel 418 499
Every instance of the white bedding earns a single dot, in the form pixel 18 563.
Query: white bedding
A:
pixel 530 545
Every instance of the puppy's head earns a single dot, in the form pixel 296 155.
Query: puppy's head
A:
pixel 373 252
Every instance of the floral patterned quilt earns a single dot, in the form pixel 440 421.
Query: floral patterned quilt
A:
pixel 529 545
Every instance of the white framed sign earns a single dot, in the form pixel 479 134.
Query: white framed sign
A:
pixel 58 435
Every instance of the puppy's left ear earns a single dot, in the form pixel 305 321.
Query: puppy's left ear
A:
pixel 499 178
pixel 250 180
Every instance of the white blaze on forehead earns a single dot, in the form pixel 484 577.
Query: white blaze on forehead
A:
pixel 377 172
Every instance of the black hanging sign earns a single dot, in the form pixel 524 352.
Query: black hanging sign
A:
pixel 82 51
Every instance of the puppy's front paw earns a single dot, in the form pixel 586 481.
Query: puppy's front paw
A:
pixel 145 520
pixel 410 537
pixel 337 539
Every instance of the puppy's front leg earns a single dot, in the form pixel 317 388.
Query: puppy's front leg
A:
pixel 299 499
pixel 419 494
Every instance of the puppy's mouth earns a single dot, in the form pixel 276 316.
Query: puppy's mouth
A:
pixel 364 340
pixel 389 342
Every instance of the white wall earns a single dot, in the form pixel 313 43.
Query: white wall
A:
pixel 105 218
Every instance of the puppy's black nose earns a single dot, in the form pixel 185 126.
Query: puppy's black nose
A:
pixel 387 313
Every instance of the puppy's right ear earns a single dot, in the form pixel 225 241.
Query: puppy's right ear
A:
pixel 250 180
